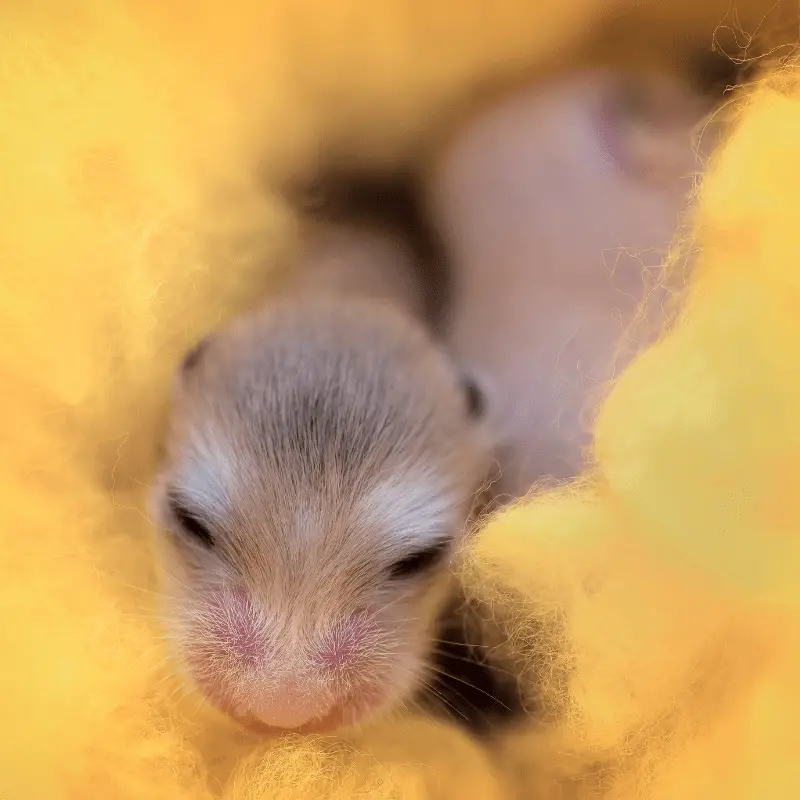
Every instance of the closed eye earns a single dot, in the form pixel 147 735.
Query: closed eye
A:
pixel 189 522
pixel 421 561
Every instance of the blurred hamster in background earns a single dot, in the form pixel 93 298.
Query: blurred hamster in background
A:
pixel 557 204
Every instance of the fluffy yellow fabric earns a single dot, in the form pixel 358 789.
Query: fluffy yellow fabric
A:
pixel 130 222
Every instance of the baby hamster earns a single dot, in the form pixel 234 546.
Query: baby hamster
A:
pixel 321 460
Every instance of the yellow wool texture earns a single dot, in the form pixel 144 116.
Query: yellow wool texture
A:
pixel 654 599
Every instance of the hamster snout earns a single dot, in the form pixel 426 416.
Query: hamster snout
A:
pixel 322 457
pixel 289 679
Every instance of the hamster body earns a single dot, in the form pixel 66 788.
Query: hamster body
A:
pixel 347 261
pixel 321 462
pixel 367 233
pixel 557 203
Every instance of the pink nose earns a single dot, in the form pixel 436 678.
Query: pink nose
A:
pixel 289 708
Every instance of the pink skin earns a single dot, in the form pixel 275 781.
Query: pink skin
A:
pixel 557 207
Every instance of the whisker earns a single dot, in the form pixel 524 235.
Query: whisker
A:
pixel 449 706
pixel 462 644
pixel 452 677
pixel 491 667
pixel 426 686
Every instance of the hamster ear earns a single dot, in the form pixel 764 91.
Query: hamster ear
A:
pixel 181 377
pixel 193 356
pixel 474 397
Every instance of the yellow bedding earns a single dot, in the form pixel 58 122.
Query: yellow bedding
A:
pixel 660 590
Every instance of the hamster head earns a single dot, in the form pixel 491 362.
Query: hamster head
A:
pixel 320 464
